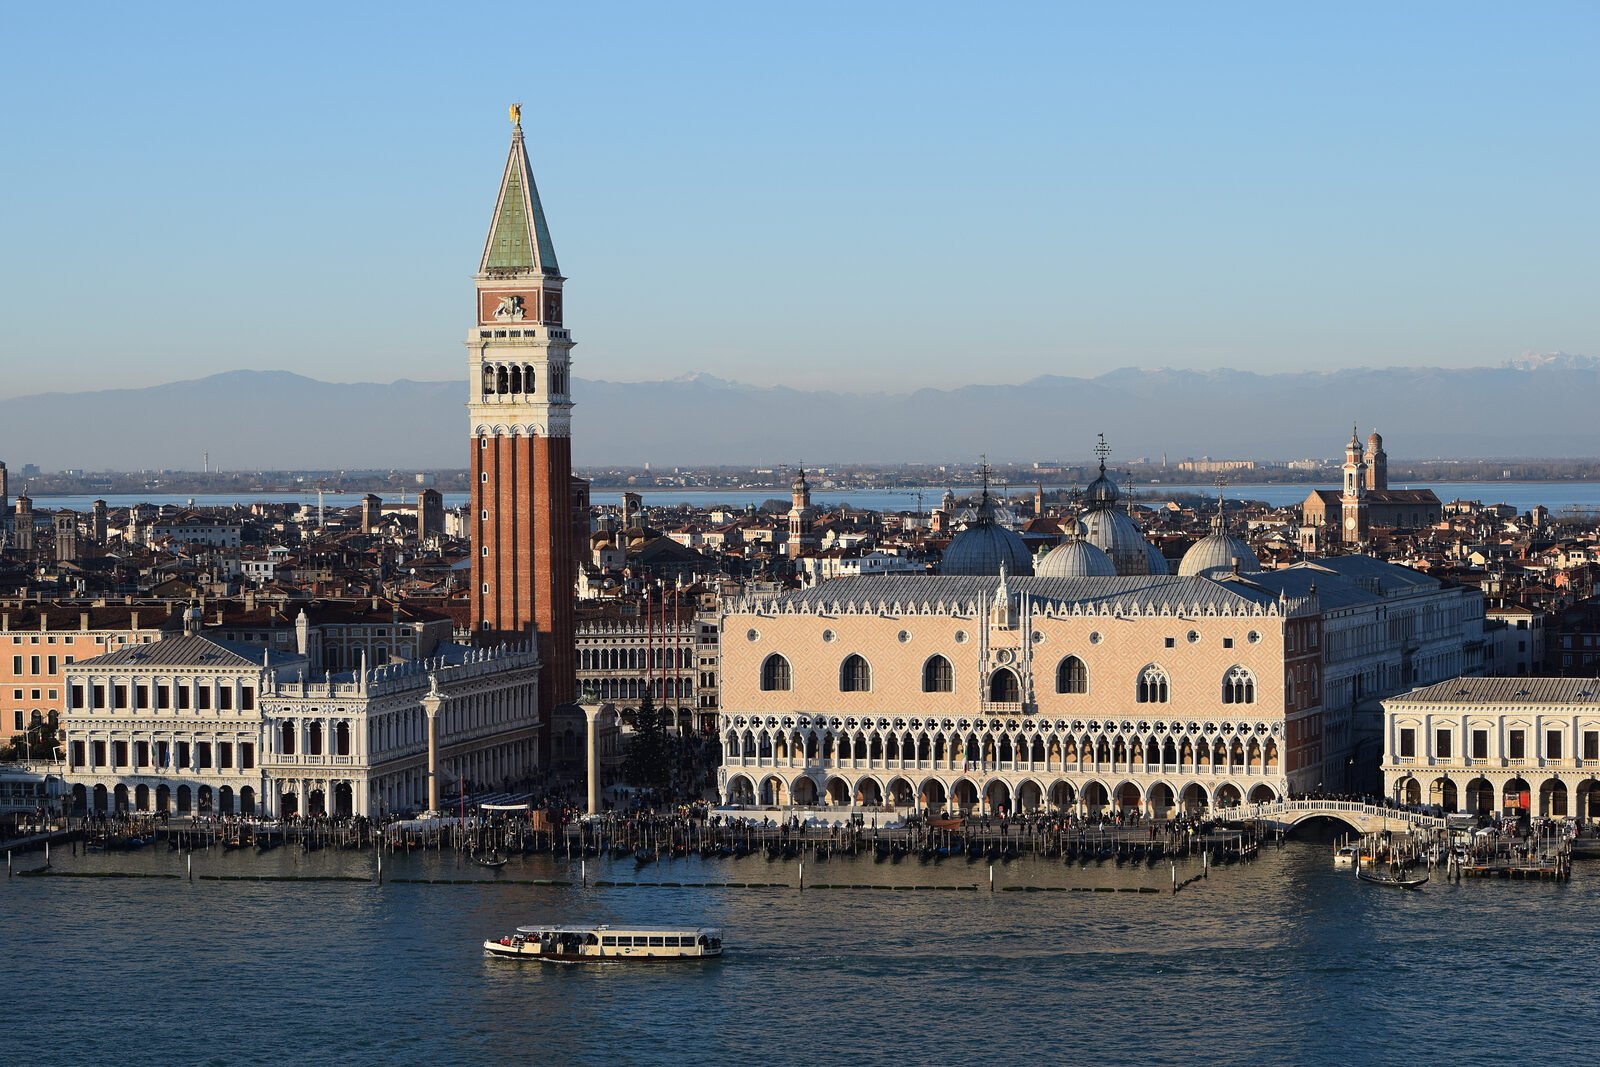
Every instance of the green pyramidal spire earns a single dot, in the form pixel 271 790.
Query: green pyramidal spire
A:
pixel 519 237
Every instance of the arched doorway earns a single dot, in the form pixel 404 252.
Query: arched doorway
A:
pixel 1553 799
pixel 869 793
pixel 1517 798
pixel 1096 798
pixel 1443 793
pixel 805 792
pixel 838 792
pixel 933 795
pixel 343 800
pixel 997 798
pixel 964 795
pixel 1004 687
pixel 1162 801
pixel 771 791
pixel 317 803
pixel 1193 798
pixel 100 799
pixel 141 797
pixel 740 792
pixel 1030 797
pixel 1480 796
pixel 288 806
pixel 119 799
pixel 900 793
pixel 247 801
pixel 1588 798
pixel 1262 794
pixel 1129 798
pixel 225 800
pixel 185 800
pixel 1408 791
pixel 1228 795
pixel 1063 797
pixel 163 798
pixel 80 799
pixel 203 800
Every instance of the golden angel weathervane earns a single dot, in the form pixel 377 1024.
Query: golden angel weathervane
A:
pixel 516 114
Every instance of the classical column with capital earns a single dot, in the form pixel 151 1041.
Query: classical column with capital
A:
pixel 591 713
pixel 431 705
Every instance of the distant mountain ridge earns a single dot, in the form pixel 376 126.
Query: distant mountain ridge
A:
pixel 1534 405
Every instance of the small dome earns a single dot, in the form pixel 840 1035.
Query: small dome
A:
pixel 1075 558
pixel 1117 535
pixel 1212 557
pixel 1102 492
pixel 983 548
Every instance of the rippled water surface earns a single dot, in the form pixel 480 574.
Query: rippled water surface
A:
pixel 1281 961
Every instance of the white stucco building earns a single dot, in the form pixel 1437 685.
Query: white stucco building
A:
pixel 1512 746
pixel 193 724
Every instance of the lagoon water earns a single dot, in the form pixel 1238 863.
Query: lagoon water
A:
pixel 1282 961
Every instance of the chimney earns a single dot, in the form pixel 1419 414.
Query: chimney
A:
pixel 83 620
pixel 133 620
pixel 44 620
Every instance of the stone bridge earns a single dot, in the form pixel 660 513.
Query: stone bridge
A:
pixel 1363 818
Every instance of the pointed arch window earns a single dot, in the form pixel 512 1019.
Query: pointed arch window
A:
pixel 1004 687
pixel 1239 687
pixel 1153 686
pixel 775 674
pixel 855 675
pixel 937 675
pixel 1072 676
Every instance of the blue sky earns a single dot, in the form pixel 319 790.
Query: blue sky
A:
pixel 853 195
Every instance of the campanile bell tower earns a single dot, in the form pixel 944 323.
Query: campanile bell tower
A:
pixel 519 352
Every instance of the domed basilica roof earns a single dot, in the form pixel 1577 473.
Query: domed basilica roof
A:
pixel 1112 530
pixel 1215 555
pixel 1075 558
pixel 985 546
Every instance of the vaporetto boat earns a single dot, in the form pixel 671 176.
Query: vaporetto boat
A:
pixel 607 944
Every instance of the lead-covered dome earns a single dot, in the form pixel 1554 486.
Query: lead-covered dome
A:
pixel 1218 553
pixel 1214 554
pixel 1075 558
pixel 1117 535
pixel 1102 492
pixel 985 547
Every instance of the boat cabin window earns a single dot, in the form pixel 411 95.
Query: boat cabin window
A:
pixel 592 939
pixel 608 940
pixel 658 942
